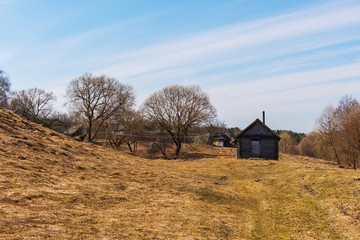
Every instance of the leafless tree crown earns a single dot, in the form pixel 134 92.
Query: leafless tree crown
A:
pixel 177 109
pixel 96 99
pixel 4 88
pixel 34 104
pixel 328 125
pixel 340 131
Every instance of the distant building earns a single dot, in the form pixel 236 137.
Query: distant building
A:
pixel 119 132
pixel 257 141
pixel 75 131
pixel 220 140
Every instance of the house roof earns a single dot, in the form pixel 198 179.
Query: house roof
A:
pixel 220 136
pixel 73 129
pixel 252 124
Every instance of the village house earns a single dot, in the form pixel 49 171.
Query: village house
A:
pixel 258 141
pixel 220 140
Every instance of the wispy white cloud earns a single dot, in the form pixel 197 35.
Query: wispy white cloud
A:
pixel 288 83
pixel 6 54
pixel 301 95
pixel 251 58
pixel 221 42
pixel 295 80
pixel 297 108
pixel 236 43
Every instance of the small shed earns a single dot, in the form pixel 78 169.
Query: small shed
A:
pixel 220 140
pixel 257 141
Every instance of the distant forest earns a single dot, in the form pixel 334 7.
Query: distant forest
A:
pixel 296 135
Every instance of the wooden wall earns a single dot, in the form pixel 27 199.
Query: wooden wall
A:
pixel 268 148
pixel 244 147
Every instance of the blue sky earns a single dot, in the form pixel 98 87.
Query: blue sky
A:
pixel 290 58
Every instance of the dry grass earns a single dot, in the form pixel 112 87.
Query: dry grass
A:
pixel 188 152
pixel 52 187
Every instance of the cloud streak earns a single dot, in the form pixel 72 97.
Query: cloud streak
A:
pixel 291 93
pixel 267 61
pixel 219 43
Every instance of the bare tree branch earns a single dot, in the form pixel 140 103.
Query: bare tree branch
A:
pixel 33 104
pixel 177 110
pixel 97 99
pixel 4 89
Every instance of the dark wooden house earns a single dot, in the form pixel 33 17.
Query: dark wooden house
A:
pixel 220 140
pixel 257 141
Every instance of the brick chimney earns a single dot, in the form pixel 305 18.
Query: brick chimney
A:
pixel 263 117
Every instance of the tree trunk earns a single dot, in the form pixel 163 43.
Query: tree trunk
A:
pixel 162 148
pixel 336 154
pixel 355 163
pixel 129 145
pixel 178 148
pixel 89 130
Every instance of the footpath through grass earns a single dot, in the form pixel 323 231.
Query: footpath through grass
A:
pixel 294 198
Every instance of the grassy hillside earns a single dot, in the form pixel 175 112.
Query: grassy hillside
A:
pixel 54 187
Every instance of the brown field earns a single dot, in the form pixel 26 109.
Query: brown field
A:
pixel 53 187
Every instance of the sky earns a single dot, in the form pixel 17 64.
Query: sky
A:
pixel 289 58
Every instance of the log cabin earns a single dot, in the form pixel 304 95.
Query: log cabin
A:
pixel 257 141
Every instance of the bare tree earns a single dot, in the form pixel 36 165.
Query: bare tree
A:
pixel 345 106
pixel 339 128
pixel 4 89
pixel 131 122
pixel 350 137
pixel 313 145
pixel 178 109
pixel 33 104
pixel 307 145
pixel 328 125
pixel 96 99
pixel 216 126
pixel 160 142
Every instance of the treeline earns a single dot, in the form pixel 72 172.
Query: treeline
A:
pixel 295 135
pixel 101 104
pixel 336 136
pixel 233 131
pixel 290 141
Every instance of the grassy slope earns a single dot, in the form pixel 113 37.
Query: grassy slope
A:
pixel 291 199
pixel 54 187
